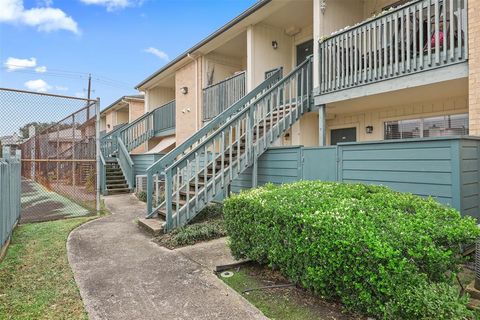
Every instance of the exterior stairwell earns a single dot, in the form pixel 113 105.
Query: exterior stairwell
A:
pixel 117 145
pixel 203 167
pixel 115 179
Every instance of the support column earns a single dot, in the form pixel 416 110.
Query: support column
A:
pixel 322 125
pixel 474 67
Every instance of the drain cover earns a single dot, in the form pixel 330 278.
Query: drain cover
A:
pixel 226 274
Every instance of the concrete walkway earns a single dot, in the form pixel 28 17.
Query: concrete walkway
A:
pixel 122 274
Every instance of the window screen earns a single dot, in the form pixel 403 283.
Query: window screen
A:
pixel 450 125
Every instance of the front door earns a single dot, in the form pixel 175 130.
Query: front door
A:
pixel 304 50
pixel 343 135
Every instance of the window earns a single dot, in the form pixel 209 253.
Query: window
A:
pixel 450 125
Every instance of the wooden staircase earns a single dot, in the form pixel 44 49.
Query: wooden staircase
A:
pixel 202 169
pixel 115 179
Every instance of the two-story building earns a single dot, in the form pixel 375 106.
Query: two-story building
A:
pixel 358 91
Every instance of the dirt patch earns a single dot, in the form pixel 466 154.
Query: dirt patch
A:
pixel 283 303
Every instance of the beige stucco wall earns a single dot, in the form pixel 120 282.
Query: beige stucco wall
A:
pixel 372 7
pixel 474 66
pixel 188 106
pixel 136 109
pixel 377 117
pixel 261 56
pixel 158 97
pixel 109 121
pixel 122 116
pixel 222 67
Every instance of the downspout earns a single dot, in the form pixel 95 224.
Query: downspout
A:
pixel 197 121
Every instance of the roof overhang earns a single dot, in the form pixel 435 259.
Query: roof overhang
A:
pixel 232 29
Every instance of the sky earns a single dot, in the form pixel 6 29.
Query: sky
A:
pixel 52 45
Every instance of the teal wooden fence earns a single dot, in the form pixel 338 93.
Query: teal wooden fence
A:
pixel 143 161
pixel 10 188
pixel 447 168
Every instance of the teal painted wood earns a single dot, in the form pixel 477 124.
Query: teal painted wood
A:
pixel 143 161
pixel 470 177
pixel 218 97
pixel 320 164
pixel 103 175
pixel 126 164
pixel 164 119
pixel 252 128
pixel 276 165
pixel 10 192
pixel 343 66
pixel 159 167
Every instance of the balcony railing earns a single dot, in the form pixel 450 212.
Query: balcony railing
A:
pixel 419 36
pixel 218 97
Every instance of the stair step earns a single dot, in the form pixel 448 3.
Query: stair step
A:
pixel 117 186
pixel 153 226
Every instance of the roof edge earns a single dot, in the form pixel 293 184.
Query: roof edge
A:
pixel 260 4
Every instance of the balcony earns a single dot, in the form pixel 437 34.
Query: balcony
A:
pixel 395 50
pixel 220 96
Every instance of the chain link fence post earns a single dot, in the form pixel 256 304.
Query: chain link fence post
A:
pixel 97 143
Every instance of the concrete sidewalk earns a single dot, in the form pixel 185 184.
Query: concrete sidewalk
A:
pixel 122 274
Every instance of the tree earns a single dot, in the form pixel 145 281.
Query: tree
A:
pixel 39 127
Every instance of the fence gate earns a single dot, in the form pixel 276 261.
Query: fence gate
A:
pixel 57 137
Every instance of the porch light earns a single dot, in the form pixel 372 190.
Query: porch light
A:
pixel 274 45
pixel 369 129
pixel 184 90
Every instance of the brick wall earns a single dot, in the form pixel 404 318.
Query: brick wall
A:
pixel 474 66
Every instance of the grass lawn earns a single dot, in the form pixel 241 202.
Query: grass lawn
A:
pixel 36 281
pixel 282 303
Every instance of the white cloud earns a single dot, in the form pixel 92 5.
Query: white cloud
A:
pixel 43 18
pixel 13 64
pixel 113 4
pixel 38 85
pixel 158 53
pixel 41 69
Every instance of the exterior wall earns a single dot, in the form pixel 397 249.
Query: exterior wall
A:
pixel 122 116
pixel 261 56
pixel 474 66
pixel 221 66
pixel 372 7
pixel 157 97
pixel 136 110
pixel 143 161
pixel 377 117
pixel 110 121
pixel 188 106
pixel 103 123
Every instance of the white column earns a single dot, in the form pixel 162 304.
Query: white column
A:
pixel 250 59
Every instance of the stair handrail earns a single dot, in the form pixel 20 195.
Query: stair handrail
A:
pixel 103 174
pixel 126 163
pixel 170 158
pixel 248 112
pixel 238 115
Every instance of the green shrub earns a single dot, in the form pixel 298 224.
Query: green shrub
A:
pixel 142 196
pixel 357 243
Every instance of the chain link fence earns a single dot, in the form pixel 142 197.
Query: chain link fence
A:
pixel 57 137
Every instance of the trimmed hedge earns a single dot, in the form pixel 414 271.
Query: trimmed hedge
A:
pixel 366 245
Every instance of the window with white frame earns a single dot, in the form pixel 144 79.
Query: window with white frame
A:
pixel 450 125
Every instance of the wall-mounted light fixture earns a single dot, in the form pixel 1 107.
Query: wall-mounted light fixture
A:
pixel 274 45
pixel 369 129
pixel 184 90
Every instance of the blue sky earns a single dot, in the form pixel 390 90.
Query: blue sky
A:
pixel 52 45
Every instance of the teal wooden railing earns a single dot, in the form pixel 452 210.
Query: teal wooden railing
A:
pixel 205 172
pixel 418 36
pixel 158 167
pixel 134 134
pixel 10 188
pixel 220 96
pixel 126 163
pixel 103 175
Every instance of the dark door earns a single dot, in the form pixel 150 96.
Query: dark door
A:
pixel 304 50
pixel 343 135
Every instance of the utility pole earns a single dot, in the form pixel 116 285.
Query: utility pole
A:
pixel 89 86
